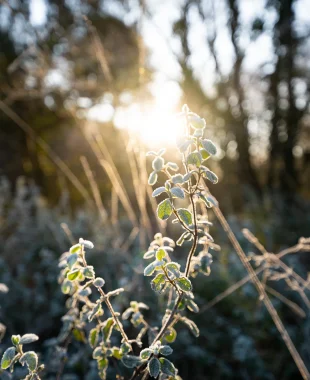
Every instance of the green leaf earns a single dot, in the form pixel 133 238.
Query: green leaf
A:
pixel 171 335
pixel 7 357
pixel 117 353
pixel 184 284
pixel 15 339
pixel 31 359
pixel 160 254
pixel 75 248
pixel 174 269
pixel 131 361
pixel 99 282
pixel 158 164
pixel 152 178
pixel 164 209
pixel 79 335
pixel 196 121
pixel 93 338
pixel 177 178
pixel 166 350
pixel 154 367
pixel 73 274
pixel 161 152
pixel 177 192
pixel 89 272
pixel 71 260
pixel 158 191
pixel 158 282
pixel 209 146
pixel 28 338
pixel 146 353
pixel 107 329
pixel 173 166
pixel 204 154
pixel 150 269
pixel 185 216
pixel 181 239
pixel 167 367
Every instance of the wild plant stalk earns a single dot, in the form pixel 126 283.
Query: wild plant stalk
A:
pixel 263 295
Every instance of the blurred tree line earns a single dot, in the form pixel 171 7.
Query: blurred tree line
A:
pixel 81 54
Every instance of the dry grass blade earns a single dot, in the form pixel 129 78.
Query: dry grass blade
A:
pixel 262 293
pixel 95 190
pixel 48 150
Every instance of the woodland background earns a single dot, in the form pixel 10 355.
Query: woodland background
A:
pixel 67 70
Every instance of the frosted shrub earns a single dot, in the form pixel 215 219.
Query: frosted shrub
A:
pixel 79 281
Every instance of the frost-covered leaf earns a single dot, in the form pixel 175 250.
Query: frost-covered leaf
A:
pixel 194 159
pixel 158 163
pixel 209 146
pixel 28 338
pixel 107 329
pixel 131 361
pixel 73 274
pixel 146 353
pixel 173 268
pixel 158 282
pixel 93 337
pixel 99 282
pixel 71 260
pixel 126 314
pixel 31 359
pixel 177 178
pixel 191 325
pixel 204 154
pixel 97 310
pixel 15 339
pixel 177 192
pixel 212 177
pixel 7 357
pixel 167 367
pixel 165 350
pixel 171 335
pixel 3 288
pixel 188 175
pixel 150 269
pixel 173 166
pixel 75 248
pixel 125 348
pixel 192 306
pixel 184 284
pixel 152 178
pixel 164 209
pixel 196 121
pixel 149 254
pixel 87 243
pixel 185 216
pixel 89 272
pixel 158 191
pixel 154 367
